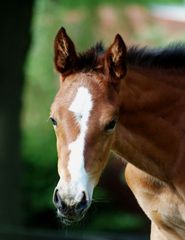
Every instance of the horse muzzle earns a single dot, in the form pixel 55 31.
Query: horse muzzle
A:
pixel 70 211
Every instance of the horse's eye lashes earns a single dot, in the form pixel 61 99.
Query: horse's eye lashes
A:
pixel 110 126
pixel 54 122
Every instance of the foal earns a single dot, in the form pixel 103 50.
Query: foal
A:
pixel 131 102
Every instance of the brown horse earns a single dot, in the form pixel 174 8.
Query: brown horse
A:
pixel 129 101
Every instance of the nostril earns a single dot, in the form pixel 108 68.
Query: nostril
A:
pixel 56 198
pixel 58 201
pixel 84 200
pixel 62 207
pixel 82 204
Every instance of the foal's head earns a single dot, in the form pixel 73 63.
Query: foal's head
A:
pixel 84 114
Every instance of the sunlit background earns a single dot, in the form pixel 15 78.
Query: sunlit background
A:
pixel 114 213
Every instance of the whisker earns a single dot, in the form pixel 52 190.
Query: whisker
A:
pixel 101 200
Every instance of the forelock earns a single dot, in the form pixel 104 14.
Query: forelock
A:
pixel 89 60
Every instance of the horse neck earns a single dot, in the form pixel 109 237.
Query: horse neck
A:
pixel 150 132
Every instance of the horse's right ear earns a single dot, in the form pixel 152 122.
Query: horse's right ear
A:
pixel 65 54
pixel 115 60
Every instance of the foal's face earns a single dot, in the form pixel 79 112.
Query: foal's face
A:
pixel 84 114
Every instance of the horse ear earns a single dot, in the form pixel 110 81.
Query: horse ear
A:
pixel 65 54
pixel 116 59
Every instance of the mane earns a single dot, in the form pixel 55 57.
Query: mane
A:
pixel 172 56
pixel 88 60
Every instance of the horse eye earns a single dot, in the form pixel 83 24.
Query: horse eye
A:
pixel 110 126
pixel 54 122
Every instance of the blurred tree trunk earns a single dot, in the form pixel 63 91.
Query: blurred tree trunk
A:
pixel 15 21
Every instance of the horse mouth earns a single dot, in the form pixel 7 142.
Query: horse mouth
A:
pixel 70 220
pixel 69 215
pixel 67 221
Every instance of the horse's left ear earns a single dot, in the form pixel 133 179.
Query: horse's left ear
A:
pixel 116 59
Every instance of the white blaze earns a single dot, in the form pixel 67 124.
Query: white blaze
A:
pixel 81 107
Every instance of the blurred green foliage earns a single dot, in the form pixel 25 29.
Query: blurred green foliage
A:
pixel 38 140
pixel 95 3
pixel 118 221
